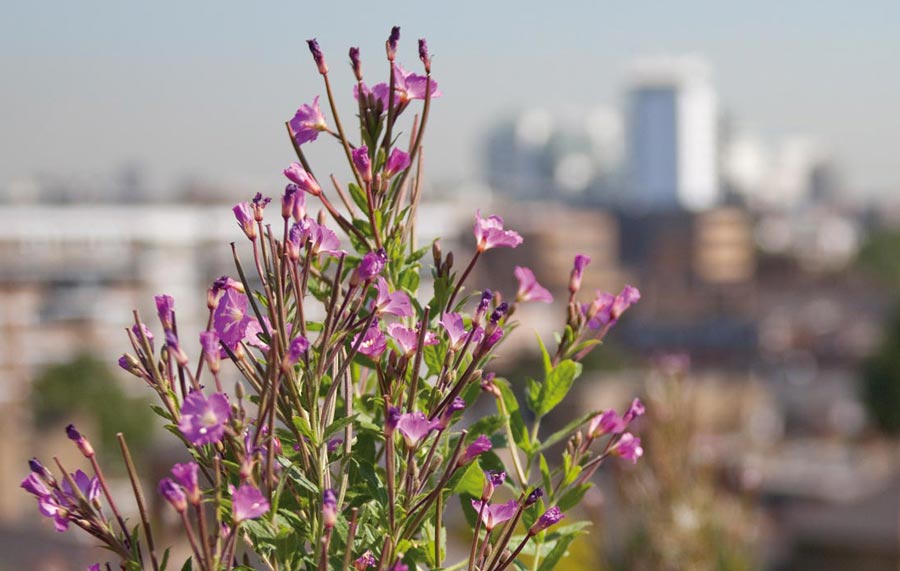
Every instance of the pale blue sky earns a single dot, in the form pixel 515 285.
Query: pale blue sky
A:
pixel 204 87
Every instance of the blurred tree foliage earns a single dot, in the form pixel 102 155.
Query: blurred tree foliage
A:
pixel 881 379
pixel 86 387
pixel 880 257
pixel 683 518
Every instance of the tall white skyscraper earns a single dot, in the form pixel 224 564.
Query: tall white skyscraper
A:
pixel 672 135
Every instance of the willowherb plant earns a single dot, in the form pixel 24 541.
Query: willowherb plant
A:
pixel 339 446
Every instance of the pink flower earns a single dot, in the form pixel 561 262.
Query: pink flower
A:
pixel 304 181
pixel 373 343
pixel 635 410
pixel 489 233
pixel 187 475
pixel 243 212
pixel 598 312
pixel 550 517
pixel 230 318
pixel 415 426
pixel 378 94
pixel 494 514
pixel 607 422
pixel 397 162
pixel 409 86
pixel 396 303
pixel 480 445
pixel 628 447
pixel 529 288
pixel 456 330
pixel 581 262
pixel 308 122
pixel 362 163
pixel 203 420
pixel 297 348
pixel 209 342
pixel 408 339
pixel 247 503
pixel 323 240
pixel 628 297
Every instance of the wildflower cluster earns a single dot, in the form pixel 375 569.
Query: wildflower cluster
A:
pixel 339 445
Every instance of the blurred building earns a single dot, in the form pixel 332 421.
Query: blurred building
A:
pixel 672 135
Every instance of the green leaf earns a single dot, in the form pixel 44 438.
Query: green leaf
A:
pixel 532 394
pixel 557 385
pixel 471 482
pixel 559 550
pixel 572 497
pixel 188 565
pixel 359 196
pixel 516 423
pixel 545 356
pixel 337 426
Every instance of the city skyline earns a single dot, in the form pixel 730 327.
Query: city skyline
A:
pixel 190 96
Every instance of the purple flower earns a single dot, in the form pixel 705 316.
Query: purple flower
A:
pixel 89 488
pixel 291 192
pixel 628 447
pixel 94 567
pixel 534 496
pixel 489 233
pixel 399 566
pixel 408 339
pixel 598 312
pixel 371 264
pixel 146 331
pixel 230 318
pixel 165 308
pixel 481 445
pixel 635 410
pixel 415 426
pixel 356 64
pixel 391 418
pixel 247 503
pixel 79 439
pixel 494 514
pixel 373 343
pixel 246 220
pixel 173 494
pixel 376 97
pixel 304 181
pixel 483 305
pixel 397 162
pixel 409 86
pixel 529 288
pixel 628 297
pixel 391 44
pixel 365 561
pixel 175 349
pixel 297 348
pixel 362 163
pixel 187 475
pixel 307 123
pixel 329 508
pixel 33 485
pixel 322 239
pixel 456 405
pixel 396 303
pixel 209 342
pixel 491 339
pixel 203 420
pixel 259 204
pixel 456 330
pixel 581 262
pixel 550 517
pixel 492 480
pixel 607 422
pixel 424 55
pixel 318 57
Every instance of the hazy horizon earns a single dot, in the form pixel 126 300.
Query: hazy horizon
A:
pixel 202 89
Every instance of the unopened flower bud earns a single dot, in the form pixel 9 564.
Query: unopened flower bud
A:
pixel 549 517
pixel 391 44
pixel 319 58
pixel 362 162
pixel 329 508
pixel 424 55
pixel 245 219
pixel 173 494
pixel 355 62
pixel 534 496
pixel 581 261
pixel 83 444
